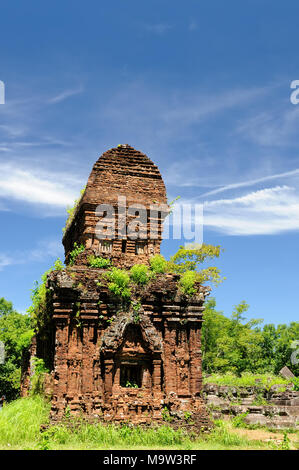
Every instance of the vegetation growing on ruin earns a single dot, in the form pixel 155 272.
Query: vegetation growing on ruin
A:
pixel 119 281
pixel 38 310
pixel 185 263
pixel 131 384
pixel 98 262
pixel 140 274
pixel 172 203
pixel 136 306
pixel 77 249
pixel 158 264
pixel 230 344
pixel 72 210
pixel 187 282
pixel 38 376
pixel 190 258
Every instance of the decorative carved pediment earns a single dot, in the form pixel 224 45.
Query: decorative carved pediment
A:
pixel 115 334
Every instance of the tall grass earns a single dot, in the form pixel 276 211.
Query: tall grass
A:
pixel 113 436
pixel 20 420
pixel 20 423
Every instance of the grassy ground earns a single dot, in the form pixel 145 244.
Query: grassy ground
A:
pixel 246 380
pixel 20 423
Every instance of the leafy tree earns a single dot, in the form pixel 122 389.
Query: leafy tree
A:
pixel 230 344
pixel 16 334
pixel 278 345
pixel 191 259
pixel 187 262
pixel 214 338
pixel 236 345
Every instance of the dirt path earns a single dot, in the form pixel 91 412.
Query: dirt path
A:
pixel 267 436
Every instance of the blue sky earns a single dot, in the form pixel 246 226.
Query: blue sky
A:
pixel 202 87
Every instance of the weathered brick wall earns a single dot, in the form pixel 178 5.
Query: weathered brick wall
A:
pixel 127 173
pixel 89 349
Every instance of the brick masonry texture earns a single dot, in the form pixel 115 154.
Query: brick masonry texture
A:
pixel 96 345
pixel 119 172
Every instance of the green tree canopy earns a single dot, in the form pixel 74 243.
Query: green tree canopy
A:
pixel 236 345
pixel 16 334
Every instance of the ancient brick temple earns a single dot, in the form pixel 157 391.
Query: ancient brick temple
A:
pixel 107 361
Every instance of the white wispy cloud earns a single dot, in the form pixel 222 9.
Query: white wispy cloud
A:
pixel 3 208
pixel 252 182
pixel 199 173
pixel 195 107
pixel 34 186
pixel 159 124
pixel 155 120
pixel 45 249
pixel 264 212
pixel 271 128
pixel 13 129
pixel 65 94
pixel 5 261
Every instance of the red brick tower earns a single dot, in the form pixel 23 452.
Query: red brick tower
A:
pixel 125 180
pixel 113 360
